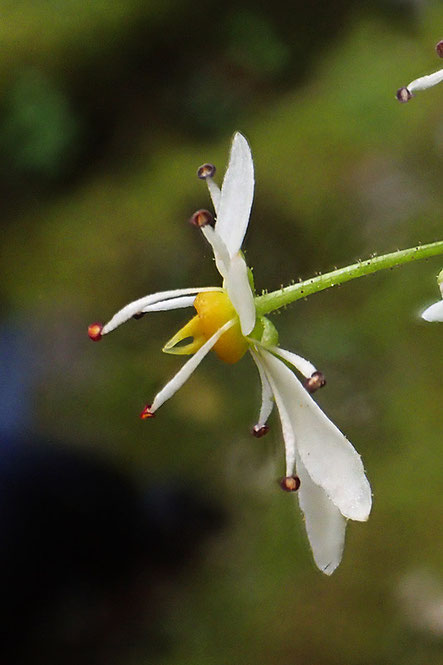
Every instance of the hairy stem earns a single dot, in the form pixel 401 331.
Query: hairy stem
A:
pixel 268 302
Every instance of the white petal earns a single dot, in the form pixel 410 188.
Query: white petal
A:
pixel 172 303
pixel 325 525
pixel 328 456
pixel 138 305
pixel 214 191
pixel 237 194
pixel 221 254
pixel 186 370
pixel 267 400
pixel 305 367
pixel 240 293
pixel 425 82
pixel 434 312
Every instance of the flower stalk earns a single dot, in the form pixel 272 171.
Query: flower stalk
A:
pixel 269 302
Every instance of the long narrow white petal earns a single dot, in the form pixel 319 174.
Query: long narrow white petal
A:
pixel 425 82
pixel 186 370
pixel 214 191
pixel 328 456
pixel 138 305
pixel 434 312
pixel 267 400
pixel 325 525
pixel 172 303
pixel 237 194
pixel 240 293
pixel 221 254
pixel 301 364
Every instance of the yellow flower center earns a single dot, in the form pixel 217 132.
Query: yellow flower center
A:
pixel 214 309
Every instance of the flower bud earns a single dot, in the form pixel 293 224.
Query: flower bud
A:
pixel 147 413
pixel 316 381
pixel 259 430
pixel 403 95
pixel 439 48
pixel 206 171
pixel 202 218
pixel 290 483
pixel 95 331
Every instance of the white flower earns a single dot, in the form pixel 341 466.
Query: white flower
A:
pixel 435 311
pixel 320 462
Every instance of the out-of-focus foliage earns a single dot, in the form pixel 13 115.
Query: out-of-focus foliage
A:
pixel 106 110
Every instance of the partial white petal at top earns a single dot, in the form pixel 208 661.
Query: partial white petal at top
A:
pixel 328 456
pixel 237 194
pixel 172 303
pixel 240 293
pixel 187 369
pixel 267 400
pixel 301 364
pixel 434 312
pixel 138 306
pixel 425 82
pixel 325 525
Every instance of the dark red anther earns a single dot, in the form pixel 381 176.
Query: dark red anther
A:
pixel 95 331
pixel 290 483
pixel 147 413
pixel 206 171
pixel 316 381
pixel 439 48
pixel 259 430
pixel 403 95
pixel 202 218
pixel 138 316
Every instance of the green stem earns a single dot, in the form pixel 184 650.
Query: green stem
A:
pixel 268 302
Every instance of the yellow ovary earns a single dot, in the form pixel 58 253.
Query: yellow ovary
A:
pixel 214 309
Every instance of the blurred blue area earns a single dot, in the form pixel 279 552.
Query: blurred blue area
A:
pixel 16 381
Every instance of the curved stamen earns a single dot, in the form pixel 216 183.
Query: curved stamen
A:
pixel 305 367
pixel 267 404
pixel 174 303
pixel 206 172
pixel 139 305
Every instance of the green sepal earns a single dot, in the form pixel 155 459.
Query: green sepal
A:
pixel 265 332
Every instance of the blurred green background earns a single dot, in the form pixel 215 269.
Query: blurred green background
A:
pixel 106 110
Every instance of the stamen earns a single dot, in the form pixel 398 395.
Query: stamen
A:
pixel 403 95
pixel 316 381
pixel 138 316
pixel 147 413
pixel 259 430
pixel 206 171
pixel 95 331
pixel 290 483
pixel 202 218
pixel 439 48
